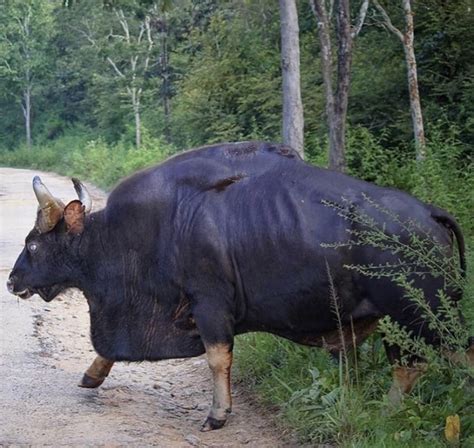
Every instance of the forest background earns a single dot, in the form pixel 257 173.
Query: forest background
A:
pixel 100 89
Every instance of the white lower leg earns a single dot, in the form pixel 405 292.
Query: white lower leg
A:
pixel 220 362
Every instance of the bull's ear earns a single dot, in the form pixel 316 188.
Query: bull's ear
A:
pixel 74 215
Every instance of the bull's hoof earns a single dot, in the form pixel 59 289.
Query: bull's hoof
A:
pixel 89 382
pixel 212 423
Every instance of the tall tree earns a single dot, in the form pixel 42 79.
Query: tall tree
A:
pixel 160 25
pixel 127 47
pixel 407 37
pixel 25 31
pixel 226 82
pixel 159 11
pixel 337 102
pixel 293 120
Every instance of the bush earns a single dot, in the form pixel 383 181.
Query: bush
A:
pixel 366 157
pixel 445 178
pixel 95 160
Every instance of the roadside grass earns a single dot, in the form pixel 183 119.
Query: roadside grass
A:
pixel 312 399
pixel 94 160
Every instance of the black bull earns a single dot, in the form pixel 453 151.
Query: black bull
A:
pixel 220 241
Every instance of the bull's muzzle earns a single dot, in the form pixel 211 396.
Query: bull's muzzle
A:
pixel 23 294
pixel 10 285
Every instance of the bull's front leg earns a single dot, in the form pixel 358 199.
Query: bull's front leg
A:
pixel 220 362
pixel 96 373
pixel 215 324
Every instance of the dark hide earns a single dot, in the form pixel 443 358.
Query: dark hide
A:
pixel 224 240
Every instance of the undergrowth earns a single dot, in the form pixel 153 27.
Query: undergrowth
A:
pixel 93 160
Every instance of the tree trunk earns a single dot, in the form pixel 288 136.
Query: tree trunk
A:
pixel 336 104
pixel 407 38
pixel 337 160
pixel 138 132
pixel 167 112
pixel 415 104
pixel 165 78
pixel 26 107
pixel 319 10
pixel 135 97
pixel 293 120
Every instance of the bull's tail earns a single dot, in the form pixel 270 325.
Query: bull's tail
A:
pixel 448 221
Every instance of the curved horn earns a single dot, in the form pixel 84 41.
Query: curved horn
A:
pixel 83 194
pixel 51 210
pixel 42 193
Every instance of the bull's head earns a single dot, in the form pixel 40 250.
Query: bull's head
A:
pixel 46 264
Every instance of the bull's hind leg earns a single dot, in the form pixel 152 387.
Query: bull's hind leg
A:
pixel 404 377
pixel 404 380
pixel 466 358
pixel 470 353
pixel 96 373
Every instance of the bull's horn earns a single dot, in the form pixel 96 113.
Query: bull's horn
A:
pixel 42 193
pixel 51 208
pixel 83 194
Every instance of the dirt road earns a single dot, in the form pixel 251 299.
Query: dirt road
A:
pixel 45 349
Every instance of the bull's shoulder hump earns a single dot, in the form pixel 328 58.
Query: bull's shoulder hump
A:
pixel 234 152
pixel 221 165
pixel 142 186
pixel 212 163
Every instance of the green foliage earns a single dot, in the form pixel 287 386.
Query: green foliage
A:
pixel 25 30
pixel 366 157
pixel 216 66
pixel 26 27
pixel 379 98
pixel 94 160
pixel 234 58
pixel 445 178
pixel 446 63
pixel 312 398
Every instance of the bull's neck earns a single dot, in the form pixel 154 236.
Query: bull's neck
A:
pixel 108 265
pixel 93 252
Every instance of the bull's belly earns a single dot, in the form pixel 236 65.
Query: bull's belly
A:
pixel 314 323
pixel 346 336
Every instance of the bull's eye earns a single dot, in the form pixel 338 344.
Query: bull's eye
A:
pixel 32 247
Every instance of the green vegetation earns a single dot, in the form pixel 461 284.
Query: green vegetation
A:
pixel 95 160
pixel 213 74
pixel 313 395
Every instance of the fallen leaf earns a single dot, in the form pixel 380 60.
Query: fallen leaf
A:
pixel 452 428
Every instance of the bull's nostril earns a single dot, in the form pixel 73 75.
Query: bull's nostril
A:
pixel 10 284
